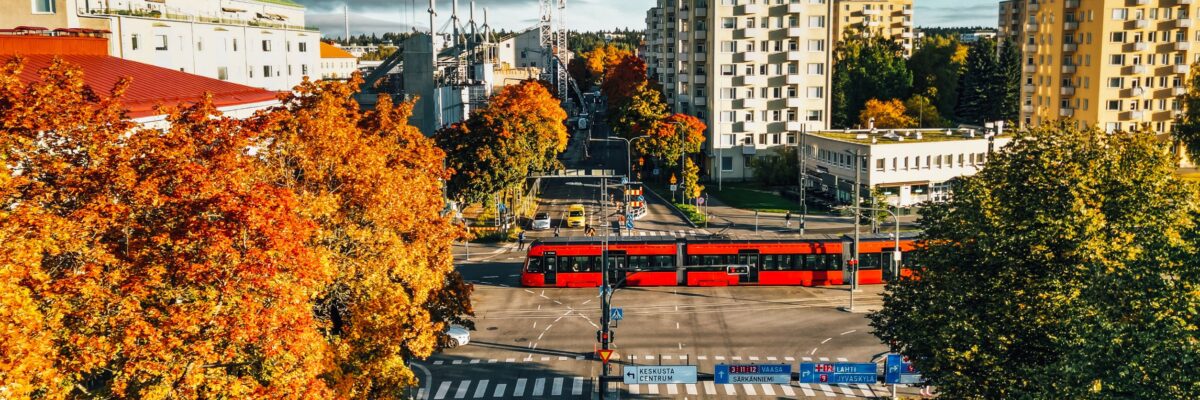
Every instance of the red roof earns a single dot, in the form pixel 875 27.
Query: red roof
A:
pixel 150 86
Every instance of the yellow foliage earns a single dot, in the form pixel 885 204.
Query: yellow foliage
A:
pixel 888 114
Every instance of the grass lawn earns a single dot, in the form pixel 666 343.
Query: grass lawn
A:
pixel 752 197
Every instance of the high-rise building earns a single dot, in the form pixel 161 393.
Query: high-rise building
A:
pixel 756 71
pixel 875 18
pixel 1008 27
pixel 260 43
pixel 1114 64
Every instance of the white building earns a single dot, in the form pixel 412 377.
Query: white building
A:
pixel 336 63
pixel 260 43
pixel 522 50
pixel 908 166
pixel 756 72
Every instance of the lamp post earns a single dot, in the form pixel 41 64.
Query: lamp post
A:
pixel 801 149
pixel 628 151
pixel 895 258
pixel 858 156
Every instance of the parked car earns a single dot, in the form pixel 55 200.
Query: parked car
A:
pixel 576 216
pixel 541 222
pixel 459 336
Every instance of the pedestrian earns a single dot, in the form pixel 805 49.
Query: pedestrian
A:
pixel 555 232
pixel 787 220
pixel 521 240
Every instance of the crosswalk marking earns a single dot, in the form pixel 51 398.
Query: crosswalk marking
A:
pixel 421 394
pixel 493 361
pixel 787 390
pixel 456 362
pixel 846 389
pixel 462 389
pixel 669 357
pixel 558 384
pixel 867 391
pixel 499 390
pixel 790 358
pixel 441 392
pixel 729 390
pixel 652 389
pixel 439 362
pixel 768 390
pixel 753 358
pixel 719 358
pixel 706 357
pixel 539 386
pixel 577 386
pixel 749 388
pixel 807 390
pixel 776 359
pixel 806 358
pixel 843 359
pixel 519 389
pixel 672 389
pixel 709 387
pixel 828 390
pixel 474 361
pixel 824 358
pixel 690 388
pixel 481 389
pixel 513 359
pixel 635 389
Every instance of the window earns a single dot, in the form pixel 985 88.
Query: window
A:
pixel 880 164
pixel 816 21
pixel 235 45
pixel 266 71
pixel 160 42
pixel 1118 37
pixel 728 70
pixel 1114 105
pixel 728 23
pixel 1120 14
pixel 287 45
pixel 223 73
pixel 816 69
pixel 816 45
pixel 816 92
pixel 813 115
pixel 43 6
pixel 728 93
pixel 303 69
pixel 1116 82
pixel 728 46
pixel 266 45
pixel 1117 59
pixel 133 41
pixel 200 44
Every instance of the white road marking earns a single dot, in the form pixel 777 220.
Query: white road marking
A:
pixel 588 301
pixel 807 390
pixel 737 358
pixel 672 389
pixel 806 358
pixel 768 390
pixel 474 361
pixel 479 390
pixel 749 389
pixel 529 291
pixel 702 357
pixel 439 362
pixel 690 388
pixel 456 362
pixel 578 357
pixel 491 277
pixel 710 388
pixel 846 389
pixel 828 390
pixel 635 389
pixel 562 358
pixel 867 391
pixel 545 358
pixel 753 358
pixel 493 361
pixel 462 389
pixel 421 395
pixel 557 390
pixel 772 359
pixel 813 352
pixel 577 386
pixel 666 357
pixel 849 331
pixel 823 359
pixel 652 389
pixel 442 389
pixel 499 390
pixel 787 390
pixel 510 359
pixel 719 358
pixel 557 302
pixel 514 275
pixel 843 359
pixel 519 389
pixel 541 334
pixel 826 340
pixel 649 357
pixel 539 386
pixel 729 390
pixel 790 358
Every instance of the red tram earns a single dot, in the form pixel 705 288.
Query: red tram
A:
pixel 814 260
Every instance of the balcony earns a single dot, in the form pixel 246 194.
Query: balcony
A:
pixel 700 33
pixel 753 104
pixel 1183 2
pixel 871 11
pixel 1133 92
pixel 1134 115
pixel 748 33
pixel 1178 91
pixel 683 77
pixel 1068 69
pixel 1137 24
pixel 1029 68
pixel 794 126
pixel 1033 7
pixel 702 12
pixel 1066 112
pixel 752 127
pixel 753 80
pixel 701 56
pixel 1140 2
pixel 1031 28
pixel 1070 26
pixel 1136 46
pixel 794 79
pixel 907 11
pixel 794 102
pixel 1134 69
pixel 1071 4
pixel 906 35
pixel 1027 88
pixel 795 55
pixel 794 32
pixel 1027 109
pixel 1180 69
pixel 1030 48
pixel 1181 23
pixel 1069 47
pixel 1181 46
pixel 750 57
pixel 1067 91
pixel 795 8
pixel 872 24
pixel 700 100
pixel 751 9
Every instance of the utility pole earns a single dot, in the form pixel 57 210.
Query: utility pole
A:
pixel 605 332
pixel 800 150
pixel 683 160
pixel 857 216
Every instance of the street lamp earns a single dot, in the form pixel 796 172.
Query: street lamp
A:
pixel 628 151
pixel 857 215
pixel 801 149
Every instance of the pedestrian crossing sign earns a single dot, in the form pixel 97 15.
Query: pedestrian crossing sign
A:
pixel 617 314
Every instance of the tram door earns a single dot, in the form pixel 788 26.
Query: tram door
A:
pixel 616 267
pixel 551 269
pixel 748 258
pixel 891 264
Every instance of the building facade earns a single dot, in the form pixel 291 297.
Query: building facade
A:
pixel 1008 26
pixel 336 63
pixel 260 43
pixel 755 71
pixel 875 18
pixel 1113 64
pixel 907 166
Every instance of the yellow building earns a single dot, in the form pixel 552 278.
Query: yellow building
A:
pixel 887 18
pixel 1114 64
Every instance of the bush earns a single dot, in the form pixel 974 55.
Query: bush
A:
pixel 692 213
pixel 779 169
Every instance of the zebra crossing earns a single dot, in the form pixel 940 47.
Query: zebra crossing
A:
pixel 572 387
pixel 675 233
pixel 794 390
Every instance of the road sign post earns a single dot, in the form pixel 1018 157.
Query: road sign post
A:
pixel 752 373
pixel 668 374
pixel 898 371
pixel 838 373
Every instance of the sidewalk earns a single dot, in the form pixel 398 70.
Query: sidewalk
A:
pixel 742 221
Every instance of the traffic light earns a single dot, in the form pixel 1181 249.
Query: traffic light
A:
pixel 604 337
pixel 641 160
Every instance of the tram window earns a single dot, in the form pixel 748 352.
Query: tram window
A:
pixel 662 262
pixel 870 261
pixel 550 264
pixel 534 265
pixel 814 262
pixel 769 262
pixel 638 263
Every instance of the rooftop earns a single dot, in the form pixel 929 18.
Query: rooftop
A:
pixel 331 51
pixel 896 136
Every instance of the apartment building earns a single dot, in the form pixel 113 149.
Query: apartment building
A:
pixel 875 18
pixel 1114 64
pixel 1008 26
pixel 336 63
pixel 260 43
pixel 755 71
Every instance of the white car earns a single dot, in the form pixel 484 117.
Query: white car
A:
pixel 541 221
pixel 459 336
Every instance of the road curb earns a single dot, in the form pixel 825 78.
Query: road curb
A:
pixel 671 205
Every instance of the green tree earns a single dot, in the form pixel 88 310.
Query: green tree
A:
pixel 779 169
pixel 1186 129
pixel 864 69
pixel 936 65
pixel 1010 82
pixel 983 86
pixel 639 113
pixel 1066 268
pixel 922 110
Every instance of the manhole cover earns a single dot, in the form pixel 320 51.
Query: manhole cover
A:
pixel 521 340
pixel 491 328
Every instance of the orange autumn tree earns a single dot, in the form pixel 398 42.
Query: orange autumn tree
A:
pixel 373 184
pixel 665 142
pixel 159 265
pixel 622 79
pixel 887 114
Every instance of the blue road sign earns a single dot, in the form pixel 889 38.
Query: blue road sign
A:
pixel 898 371
pixel 629 221
pixel 752 373
pixel 624 180
pixel 838 373
pixel 641 198
pixel 616 314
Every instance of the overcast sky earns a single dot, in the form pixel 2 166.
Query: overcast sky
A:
pixel 378 16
